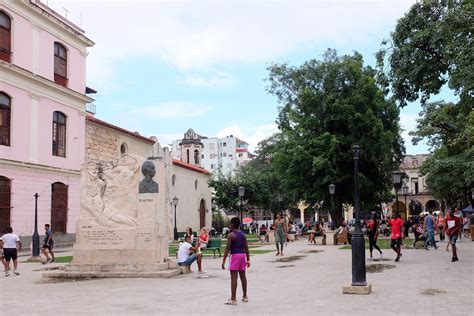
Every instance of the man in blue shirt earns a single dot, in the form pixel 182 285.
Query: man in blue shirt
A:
pixel 430 227
pixel 48 244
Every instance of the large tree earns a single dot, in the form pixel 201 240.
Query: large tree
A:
pixel 327 106
pixel 431 48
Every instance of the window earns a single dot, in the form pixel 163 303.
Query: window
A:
pixel 123 149
pixel 187 155
pixel 212 166
pixel 5 199
pixel 196 157
pixel 240 155
pixel 59 207
pixel 195 184
pixel 212 146
pixel 173 180
pixel 224 154
pixel 415 184
pixel 59 134
pixel 202 156
pixel 5 108
pixel 60 64
pixel 5 37
pixel 414 163
pixel 224 144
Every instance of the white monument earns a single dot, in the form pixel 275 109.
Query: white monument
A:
pixel 121 231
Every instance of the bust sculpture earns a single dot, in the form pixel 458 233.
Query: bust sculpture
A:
pixel 148 185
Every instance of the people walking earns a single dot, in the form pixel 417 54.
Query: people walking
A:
pixel 238 248
pixel 373 231
pixel 429 225
pixel 396 238
pixel 453 226
pixel 48 244
pixel 418 232
pixel 11 244
pixel 280 233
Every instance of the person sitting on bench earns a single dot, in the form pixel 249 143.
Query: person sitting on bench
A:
pixel 187 254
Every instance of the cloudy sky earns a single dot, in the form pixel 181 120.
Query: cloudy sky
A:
pixel 161 67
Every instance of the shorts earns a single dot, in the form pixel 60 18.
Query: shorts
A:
pixel 396 243
pixel 238 262
pixel 453 239
pixel 10 253
pixel 50 247
pixel 188 261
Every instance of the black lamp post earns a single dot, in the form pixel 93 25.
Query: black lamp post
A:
pixel 241 195
pixel 36 240
pixel 405 193
pixel 332 190
pixel 397 182
pixel 358 242
pixel 175 203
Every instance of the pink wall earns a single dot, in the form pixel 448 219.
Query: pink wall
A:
pixel 24 184
pixel 23 50
pixel 21 131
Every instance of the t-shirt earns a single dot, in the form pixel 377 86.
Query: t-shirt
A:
pixel 183 252
pixel 454 224
pixel 429 223
pixel 9 240
pixel 46 237
pixel 397 225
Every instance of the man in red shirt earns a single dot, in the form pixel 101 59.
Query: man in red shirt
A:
pixel 452 228
pixel 396 237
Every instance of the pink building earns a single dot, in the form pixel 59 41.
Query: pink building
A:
pixel 42 117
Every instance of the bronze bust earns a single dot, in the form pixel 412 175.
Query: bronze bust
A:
pixel 147 185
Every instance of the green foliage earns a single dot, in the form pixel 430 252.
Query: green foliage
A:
pixel 327 106
pixel 430 47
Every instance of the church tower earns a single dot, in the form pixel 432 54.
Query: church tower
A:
pixel 191 148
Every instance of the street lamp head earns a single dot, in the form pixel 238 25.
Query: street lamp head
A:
pixel 405 189
pixel 396 178
pixel 241 191
pixel 175 201
pixel 332 189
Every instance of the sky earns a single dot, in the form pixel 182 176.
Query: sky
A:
pixel 161 67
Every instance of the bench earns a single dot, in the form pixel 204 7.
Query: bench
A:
pixel 214 244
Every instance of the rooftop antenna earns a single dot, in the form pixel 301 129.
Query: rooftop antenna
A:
pixel 66 11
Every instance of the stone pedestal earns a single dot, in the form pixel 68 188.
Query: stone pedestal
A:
pixel 361 290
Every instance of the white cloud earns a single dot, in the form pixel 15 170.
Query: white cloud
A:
pixel 215 80
pixel 194 35
pixel 169 110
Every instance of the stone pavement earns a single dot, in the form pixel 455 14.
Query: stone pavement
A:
pixel 311 285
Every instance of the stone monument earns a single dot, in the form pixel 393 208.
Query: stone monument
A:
pixel 121 231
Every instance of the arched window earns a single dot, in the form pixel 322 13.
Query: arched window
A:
pixel 187 155
pixel 59 207
pixel 59 134
pixel 173 180
pixel 5 37
pixel 123 149
pixel 5 109
pixel 60 64
pixel 196 157
pixel 5 207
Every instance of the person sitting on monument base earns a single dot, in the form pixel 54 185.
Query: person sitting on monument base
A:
pixel 187 254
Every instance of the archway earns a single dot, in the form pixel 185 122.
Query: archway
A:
pixel 400 208
pixel 415 208
pixel 432 205
pixel 59 207
pixel 202 213
pixel 5 206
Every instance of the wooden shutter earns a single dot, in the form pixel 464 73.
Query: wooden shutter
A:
pixel 59 207
pixel 5 207
pixel 5 38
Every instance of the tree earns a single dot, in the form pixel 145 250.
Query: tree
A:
pixel 327 106
pixel 431 46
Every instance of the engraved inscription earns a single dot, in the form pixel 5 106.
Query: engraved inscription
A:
pixel 102 237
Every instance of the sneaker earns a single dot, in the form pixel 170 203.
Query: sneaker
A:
pixel 202 272
pixel 16 272
pixel 453 259
pixel 50 260
pixel 7 274
pixel 53 259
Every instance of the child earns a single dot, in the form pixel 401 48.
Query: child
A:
pixel 203 238
pixel 239 260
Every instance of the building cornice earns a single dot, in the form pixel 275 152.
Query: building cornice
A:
pixel 41 86
pixel 95 120
pixel 29 165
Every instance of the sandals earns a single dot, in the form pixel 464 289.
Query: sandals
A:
pixel 231 302
pixel 245 299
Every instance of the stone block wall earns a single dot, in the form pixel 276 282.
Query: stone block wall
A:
pixel 101 143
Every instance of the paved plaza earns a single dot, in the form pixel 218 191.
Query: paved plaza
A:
pixel 312 284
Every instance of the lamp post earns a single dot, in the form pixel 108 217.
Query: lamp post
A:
pixel 175 203
pixel 397 182
pixel 405 193
pixel 332 190
pixel 241 195
pixel 358 242
pixel 36 246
